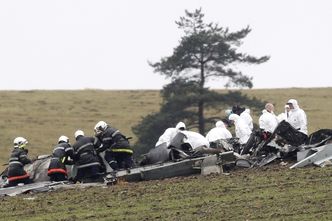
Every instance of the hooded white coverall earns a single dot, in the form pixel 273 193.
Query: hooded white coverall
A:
pixel 268 121
pixel 245 115
pixel 218 132
pixel 284 115
pixel 297 117
pixel 169 134
pixel 242 130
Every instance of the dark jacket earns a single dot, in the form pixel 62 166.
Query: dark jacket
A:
pixel 113 140
pixel 17 160
pixel 85 153
pixel 60 155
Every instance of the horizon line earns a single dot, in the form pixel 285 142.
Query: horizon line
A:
pixel 155 89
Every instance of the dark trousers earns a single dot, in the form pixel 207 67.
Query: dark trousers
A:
pixel 15 182
pixel 119 160
pixel 89 174
pixel 58 176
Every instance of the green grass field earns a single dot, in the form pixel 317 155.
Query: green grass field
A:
pixel 43 116
pixel 269 193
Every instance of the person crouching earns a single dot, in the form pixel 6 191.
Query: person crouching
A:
pixel 62 154
pixel 87 161
pixel 18 158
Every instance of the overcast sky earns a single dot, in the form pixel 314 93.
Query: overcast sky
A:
pixel 101 44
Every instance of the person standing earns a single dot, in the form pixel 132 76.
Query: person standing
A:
pixel 297 117
pixel 242 130
pixel 268 120
pixel 284 115
pixel 244 113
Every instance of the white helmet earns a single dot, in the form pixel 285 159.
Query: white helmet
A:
pixel 20 142
pixel 79 133
pixel 63 139
pixel 100 127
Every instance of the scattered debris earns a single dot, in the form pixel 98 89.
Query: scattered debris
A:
pixel 321 154
pixel 188 156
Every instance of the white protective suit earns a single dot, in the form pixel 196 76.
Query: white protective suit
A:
pixel 268 121
pixel 228 112
pixel 169 134
pixel 193 138
pixel 284 116
pixel 245 115
pixel 297 117
pixel 218 132
pixel 242 130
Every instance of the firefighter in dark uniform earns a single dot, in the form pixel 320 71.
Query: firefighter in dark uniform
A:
pixel 118 153
pixel 18 158
pixel 62 154
pixel 87 161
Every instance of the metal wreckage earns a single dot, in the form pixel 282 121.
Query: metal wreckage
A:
pixel 190 153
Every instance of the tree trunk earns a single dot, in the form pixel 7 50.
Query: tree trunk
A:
pixel 201 120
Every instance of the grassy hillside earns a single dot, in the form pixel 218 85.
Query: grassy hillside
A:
pixel 270 193
pixel 42 116
pixel 316 102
